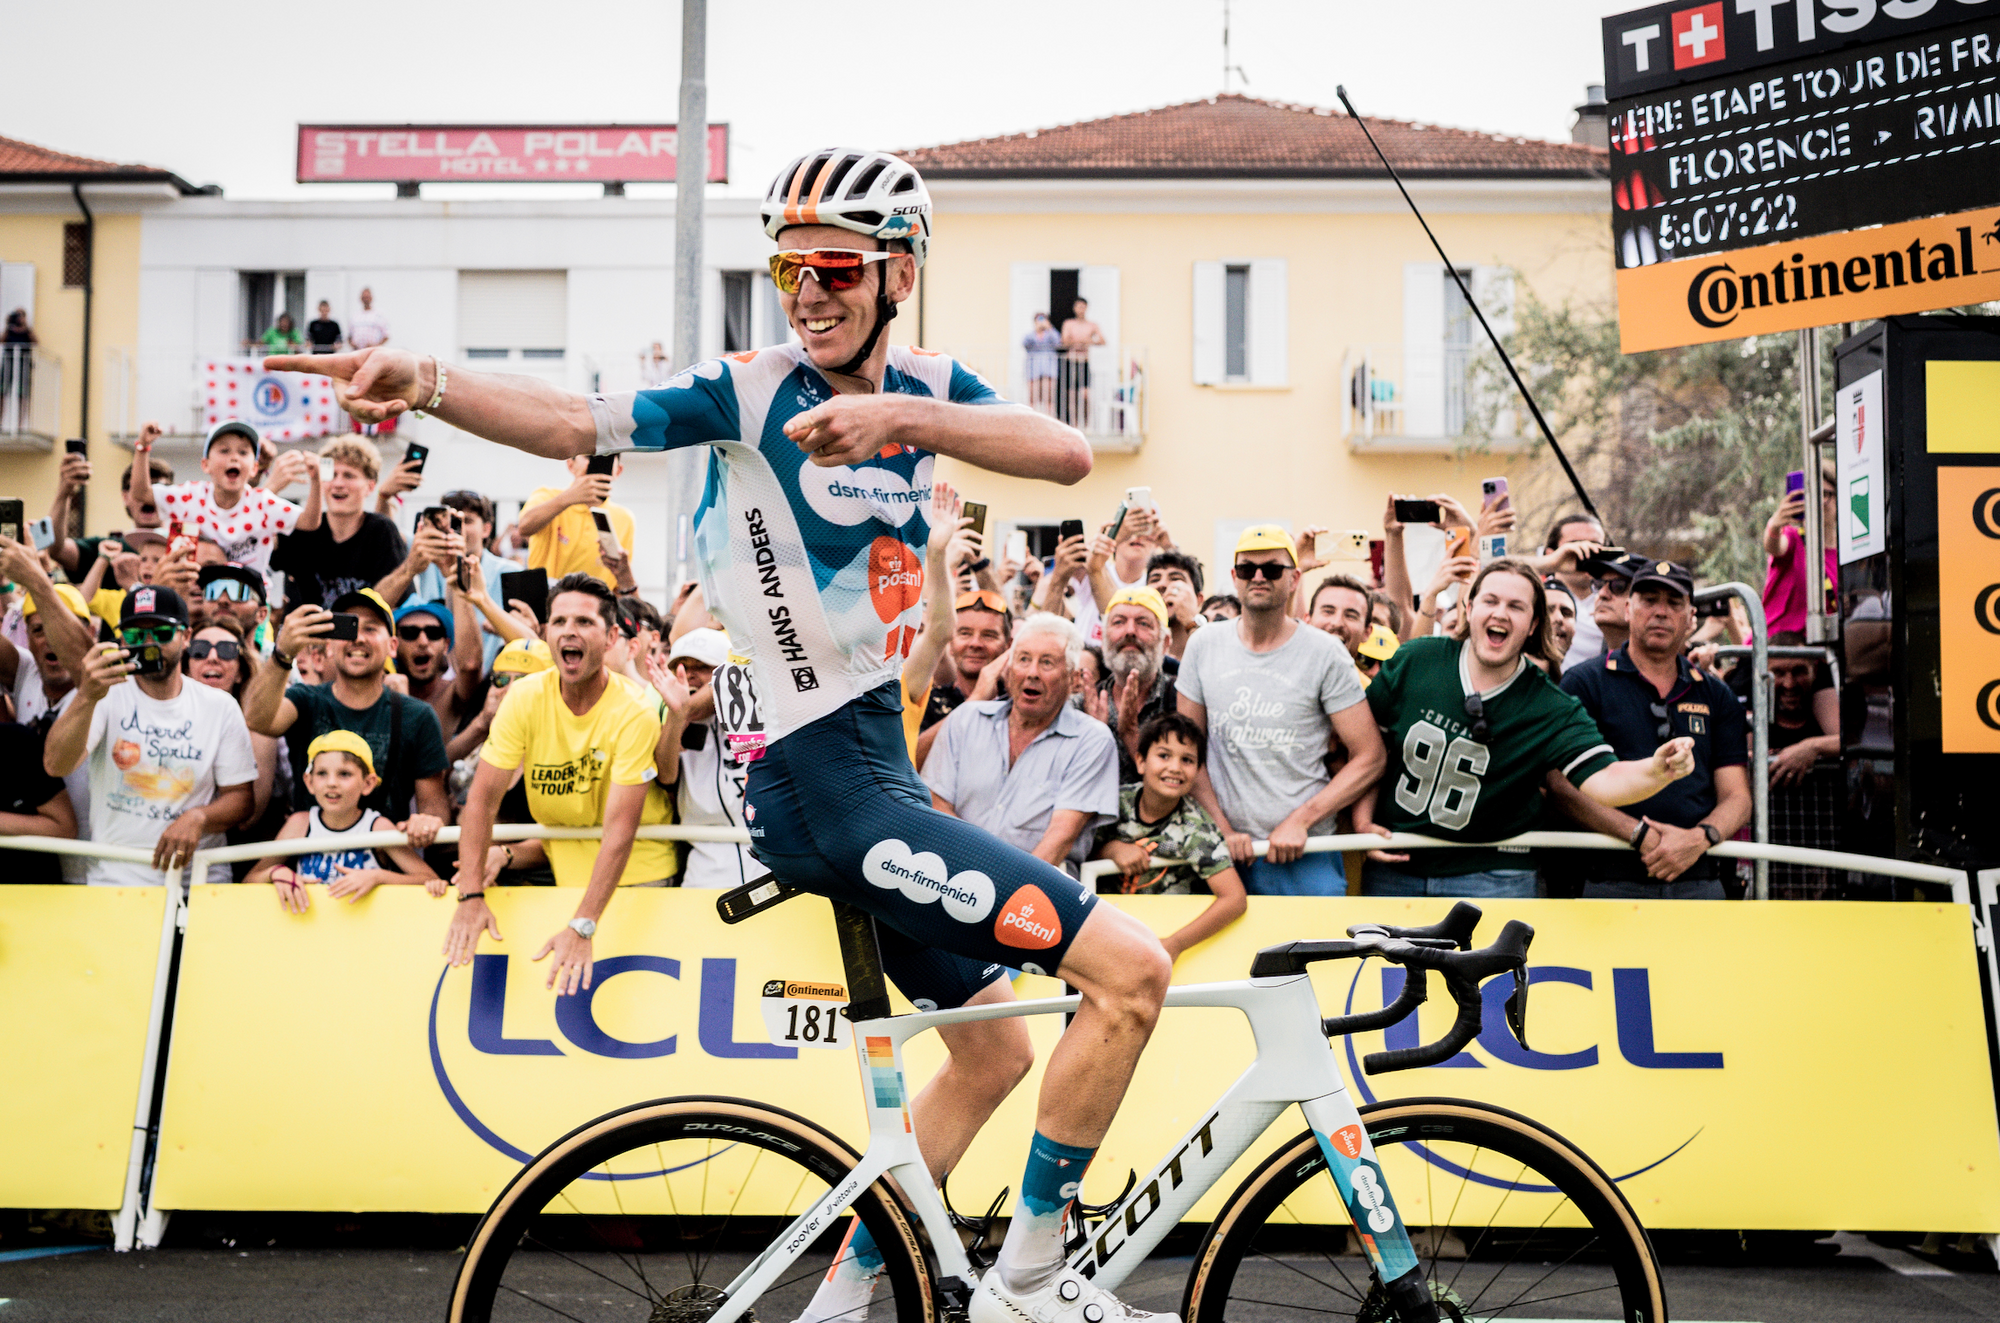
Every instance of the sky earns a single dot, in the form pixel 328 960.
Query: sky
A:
pixel 217 98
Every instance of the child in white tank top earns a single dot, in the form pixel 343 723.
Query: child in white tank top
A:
pixel 340 773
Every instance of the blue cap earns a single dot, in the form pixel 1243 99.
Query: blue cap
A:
pixel 438 609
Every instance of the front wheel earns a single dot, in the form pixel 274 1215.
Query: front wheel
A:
pixel 1509 1219
pixel 644 1215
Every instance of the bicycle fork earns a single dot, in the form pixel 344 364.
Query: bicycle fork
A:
pixel 1357 1174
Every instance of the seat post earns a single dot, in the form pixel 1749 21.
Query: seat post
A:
pixel 861 954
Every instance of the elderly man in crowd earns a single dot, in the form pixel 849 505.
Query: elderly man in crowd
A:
pixel 1274 696
pixel 1030 768
pixel 1646 693
pixel 1135 639
pixel 980 633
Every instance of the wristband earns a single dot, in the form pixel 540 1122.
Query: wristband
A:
pixel 1639 833
pixel 280 660
pixel 508 850
pixel 978 565
pixel 438 397
pixel 464 896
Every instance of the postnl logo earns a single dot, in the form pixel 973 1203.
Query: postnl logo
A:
pixel 1029 921
pixel 895 577
pixel 1347 1140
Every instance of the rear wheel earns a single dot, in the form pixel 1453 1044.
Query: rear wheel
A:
pixel 1510 1221
pixel 646 1214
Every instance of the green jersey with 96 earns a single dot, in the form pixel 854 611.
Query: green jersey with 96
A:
pixel 1442 782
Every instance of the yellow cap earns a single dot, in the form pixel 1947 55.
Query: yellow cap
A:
pixel 342 741
pixel 1381 643
pixel 524 657
pixel 71 598
pixel 1267 537
pixel 1139 595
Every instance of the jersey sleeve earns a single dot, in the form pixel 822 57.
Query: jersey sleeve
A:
pixel 968 387
pixel 632 756
pixel 1576 747
pixel 696 407
pixel 507 740
pixel 1340 686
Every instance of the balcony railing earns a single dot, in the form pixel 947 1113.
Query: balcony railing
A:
pixel 1104 396
pixel 1396 397
pixel 30 395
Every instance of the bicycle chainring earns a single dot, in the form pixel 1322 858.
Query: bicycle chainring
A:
pixel 693 1303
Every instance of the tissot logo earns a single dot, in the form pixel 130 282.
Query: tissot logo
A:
pixel 1697 36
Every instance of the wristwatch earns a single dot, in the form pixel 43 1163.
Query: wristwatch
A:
pixel 584 928
pixel 1708 830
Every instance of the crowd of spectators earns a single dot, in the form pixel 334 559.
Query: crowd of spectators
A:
pixel 239 666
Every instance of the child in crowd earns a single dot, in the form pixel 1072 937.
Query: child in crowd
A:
pixel 340 773
pixel 244 521
pixel 1157 816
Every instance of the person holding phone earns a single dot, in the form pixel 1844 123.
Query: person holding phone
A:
pixel 562 535
pixel 171 767
pixel 475 517
pixel 353 547
pixel 1785 586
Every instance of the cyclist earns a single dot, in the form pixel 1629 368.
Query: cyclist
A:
pixel 1477 728
pixel 810 539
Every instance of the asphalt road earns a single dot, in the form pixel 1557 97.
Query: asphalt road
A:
pixel 1862 1283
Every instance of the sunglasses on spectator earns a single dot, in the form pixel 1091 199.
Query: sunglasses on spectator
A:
pixel 1475 712
pixel 228 590
pixel 1273 570
pixel 984 598
pixel 226 649
pixel 411 633
pixel 1665 728
pixel 501 679
pixel 1618 587
pixel 834 268
pixel 138 636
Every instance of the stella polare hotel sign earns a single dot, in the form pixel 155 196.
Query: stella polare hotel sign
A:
pixel 505 153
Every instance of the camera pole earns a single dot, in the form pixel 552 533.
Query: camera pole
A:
pixel 1533 408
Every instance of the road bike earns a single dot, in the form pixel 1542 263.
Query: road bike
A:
pixel 713 1209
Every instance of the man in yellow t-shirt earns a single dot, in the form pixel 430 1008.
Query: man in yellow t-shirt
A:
pixel 562 536
pixel 588 747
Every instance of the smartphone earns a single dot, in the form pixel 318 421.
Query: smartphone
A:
pixel 1493 493
pixel 1070 528
pixel 434 515
pixel 1416 512
pixel 1378 558
pixel 1353 544
pixel 42 533
pixel 976 512
pixel 1118 519
pixel 1795 481
pixel 607 541
pixel 530 586
pixel 1600 565
pixel 1457 542
pixel 1017 547
pixel 346 628
pixel 178 537
pixel 416 454
pixel 1492 546
pixel 76 445
pixel 600 464
pixel 149 660
pixel 1711 609
pixel 1139 498
pixel 13 515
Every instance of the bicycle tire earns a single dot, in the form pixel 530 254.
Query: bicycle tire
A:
pixel 1444 1127
pixel 700 1123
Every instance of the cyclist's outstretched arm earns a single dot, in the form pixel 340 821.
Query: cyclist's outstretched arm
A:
pixel 1000 438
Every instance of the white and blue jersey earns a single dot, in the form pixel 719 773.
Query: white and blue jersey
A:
pixel 817 573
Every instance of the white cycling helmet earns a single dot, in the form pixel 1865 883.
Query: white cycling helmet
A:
pixel 871 193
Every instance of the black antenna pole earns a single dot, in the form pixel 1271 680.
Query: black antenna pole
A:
pixel 1470 302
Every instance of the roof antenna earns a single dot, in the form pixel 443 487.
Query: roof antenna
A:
pixel 1473 304
pixel 1228 67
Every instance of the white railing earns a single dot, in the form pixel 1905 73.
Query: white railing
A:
pixel 155 385
pixel 30 393
pixel 137 1224
pixel 1103 396
pixel 1395 394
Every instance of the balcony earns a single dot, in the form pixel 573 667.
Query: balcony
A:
pixel 1103 397
pixel 30 398
pixel 1433 400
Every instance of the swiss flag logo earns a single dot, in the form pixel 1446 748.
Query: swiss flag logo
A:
pixel 1698 36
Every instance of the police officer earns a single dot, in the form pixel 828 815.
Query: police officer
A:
pixel 1644 693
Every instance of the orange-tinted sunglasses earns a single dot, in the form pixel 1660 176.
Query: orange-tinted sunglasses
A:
pixel 834 268
pixel 985 599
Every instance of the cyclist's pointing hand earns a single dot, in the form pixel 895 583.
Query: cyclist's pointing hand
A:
pixel 573 962
pixel 372 384
pixel 470 919
pixel 847 429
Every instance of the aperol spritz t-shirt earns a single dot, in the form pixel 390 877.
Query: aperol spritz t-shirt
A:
pixel 151 761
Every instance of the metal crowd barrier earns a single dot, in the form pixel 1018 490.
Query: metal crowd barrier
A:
pixel 139 1225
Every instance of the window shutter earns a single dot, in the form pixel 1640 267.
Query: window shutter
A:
pixel 1423 349
pixel 17 289
pixel 1208 353
pixel 1269 323
pixel 513 309
pixel 1493 291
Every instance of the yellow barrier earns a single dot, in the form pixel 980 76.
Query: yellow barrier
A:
pixel 1741 1066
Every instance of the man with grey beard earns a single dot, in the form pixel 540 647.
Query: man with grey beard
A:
pixel 1135 644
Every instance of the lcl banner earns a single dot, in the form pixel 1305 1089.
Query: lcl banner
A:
pixel 509 153
pixel 1704 1053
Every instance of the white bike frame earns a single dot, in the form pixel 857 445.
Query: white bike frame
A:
pixel 1294 1064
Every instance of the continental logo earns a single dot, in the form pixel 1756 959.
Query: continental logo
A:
pixel 1852 276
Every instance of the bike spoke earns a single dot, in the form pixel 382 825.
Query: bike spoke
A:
pixel 1283 1304
pixel 1293 1267
pixel 1553 1270
pixel 1529 1240
pixel 542 1244
pixel 1331 1261
pixel 589 1222
pixel 543 1303
pixel 1560 1295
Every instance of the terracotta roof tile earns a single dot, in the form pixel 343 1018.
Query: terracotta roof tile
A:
pixel 25 158
pixel 1234 135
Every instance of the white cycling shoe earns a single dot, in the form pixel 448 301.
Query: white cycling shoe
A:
pixel 1068 1298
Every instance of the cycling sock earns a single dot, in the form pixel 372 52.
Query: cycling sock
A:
pixel 843 1293
pixel 1032 1254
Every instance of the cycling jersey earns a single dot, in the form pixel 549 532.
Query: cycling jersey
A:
pixel 816 572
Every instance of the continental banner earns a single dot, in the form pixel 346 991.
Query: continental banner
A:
pixel 76 993
pixel 1852 276
pixel 1734 1065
